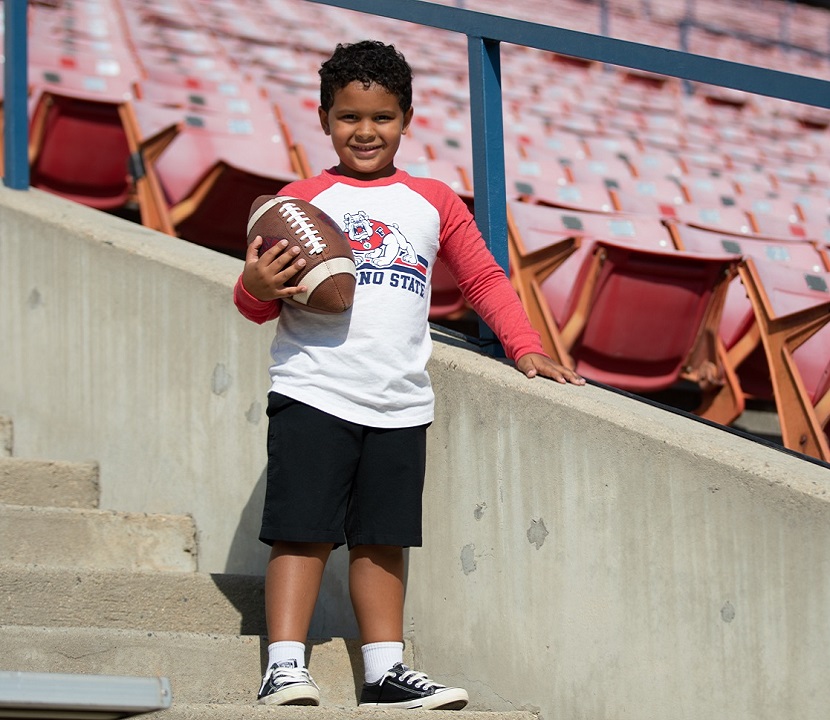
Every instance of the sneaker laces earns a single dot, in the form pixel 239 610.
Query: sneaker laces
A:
pixel 416 679
pixel 283 673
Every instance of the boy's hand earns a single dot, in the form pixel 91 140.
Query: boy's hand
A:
pixel 534 364
pixel 265 277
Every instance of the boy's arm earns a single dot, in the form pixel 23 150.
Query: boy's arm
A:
pixel 488 289
pixel 255 310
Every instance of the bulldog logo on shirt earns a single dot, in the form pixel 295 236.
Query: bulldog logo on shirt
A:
pixel 379 247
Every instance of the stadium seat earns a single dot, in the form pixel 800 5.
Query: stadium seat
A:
pixel 645 320
pixel 582 196
pixel 540 240
pixel 64 125
pixel 442 170
pixel 300 122
pixel 537 226
pixel 545 239
pixel 792 308
pixel 531 178
pixel 738 330
pixel 775 217
pixel 656 197
pixel 709 188
pixel 728 219
pixel 209 179
pixel 610 171
pixel 655 164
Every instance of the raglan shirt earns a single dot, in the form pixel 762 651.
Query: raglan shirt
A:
pixel 368 364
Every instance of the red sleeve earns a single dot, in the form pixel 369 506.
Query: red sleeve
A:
pixel 257 311
pixel 481 279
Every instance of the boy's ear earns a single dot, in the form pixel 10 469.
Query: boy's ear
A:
pixel 324 120
pixel 407 118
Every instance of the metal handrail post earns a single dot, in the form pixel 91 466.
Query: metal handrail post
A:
pixel 488 155
pixel 15 111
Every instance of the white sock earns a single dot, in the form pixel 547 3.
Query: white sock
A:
pixel 285 650
pixel 379 657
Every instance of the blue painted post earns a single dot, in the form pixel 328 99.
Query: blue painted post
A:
pixel 488 157
pixel 16 119
pixel 604 19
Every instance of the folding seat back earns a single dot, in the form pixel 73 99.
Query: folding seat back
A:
pixel 561 290
pixel 210 179
pixel 79 149
pixel 738 316
pixel 647 312
pixel 659 197
pixel 647 319
pixel 792 308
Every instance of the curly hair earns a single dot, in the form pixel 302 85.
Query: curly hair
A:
pixel 369 62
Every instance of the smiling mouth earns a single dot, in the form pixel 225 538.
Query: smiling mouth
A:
pixel 365 149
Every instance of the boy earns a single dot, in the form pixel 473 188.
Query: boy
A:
pixel 359 380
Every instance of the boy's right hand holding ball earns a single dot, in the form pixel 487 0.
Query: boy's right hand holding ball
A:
pixel 265 276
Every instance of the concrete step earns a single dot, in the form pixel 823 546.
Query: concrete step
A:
pixel 48 483
pixel 151 601
pixel 102 539
pixel 263 712
pixel 201 667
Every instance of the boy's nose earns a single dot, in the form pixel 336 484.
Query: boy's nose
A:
pixel 365 130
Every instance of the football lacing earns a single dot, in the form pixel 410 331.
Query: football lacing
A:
pixel 299 222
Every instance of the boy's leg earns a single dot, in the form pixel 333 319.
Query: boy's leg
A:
pixel 376 585
pixel 376 589
pixel 292 583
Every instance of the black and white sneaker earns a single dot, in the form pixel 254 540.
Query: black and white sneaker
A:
pixel 286 684
pixel 405 688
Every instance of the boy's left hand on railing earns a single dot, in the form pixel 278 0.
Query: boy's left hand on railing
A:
pixel 534 364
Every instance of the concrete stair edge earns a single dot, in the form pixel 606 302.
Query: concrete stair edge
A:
pixel 49 483
pixel 185 711
pixel 97 539
pixel 151 601
pixel 201 667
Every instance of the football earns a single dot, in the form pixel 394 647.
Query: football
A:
pixel 329 273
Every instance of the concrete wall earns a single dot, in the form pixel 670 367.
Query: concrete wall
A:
pixel 586 554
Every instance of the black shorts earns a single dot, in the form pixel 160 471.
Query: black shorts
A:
pixel 333 481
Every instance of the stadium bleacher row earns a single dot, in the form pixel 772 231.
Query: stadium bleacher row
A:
pixel 656 236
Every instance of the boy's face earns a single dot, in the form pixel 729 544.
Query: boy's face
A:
pixel 365 125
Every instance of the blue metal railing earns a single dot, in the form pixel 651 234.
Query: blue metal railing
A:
pixel 16 121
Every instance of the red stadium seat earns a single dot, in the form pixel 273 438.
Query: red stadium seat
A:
pixel 738 330
pixel 540 240
pixel 645 320
pixel 64 126
pixel 210 172
pixel 792 308
pixel 657 197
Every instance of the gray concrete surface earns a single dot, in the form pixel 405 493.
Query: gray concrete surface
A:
pixel 53 483
pixel 155 601
pixel 97 539
pixel 586 555
pixel 252 712
pixel 6 437
pixel 202 667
